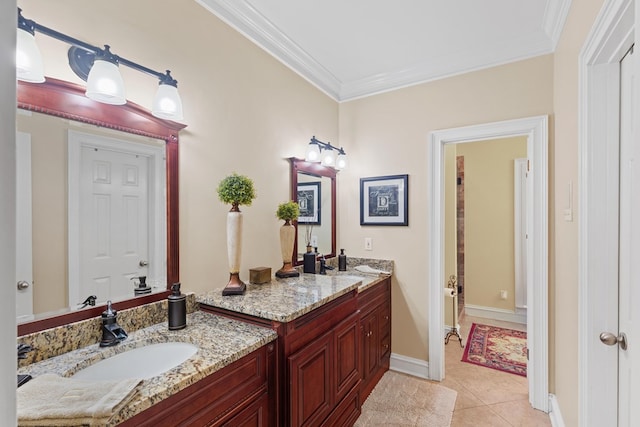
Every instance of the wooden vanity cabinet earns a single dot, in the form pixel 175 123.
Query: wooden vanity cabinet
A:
pixel 241 394
pixel 319 363
pixel 375 320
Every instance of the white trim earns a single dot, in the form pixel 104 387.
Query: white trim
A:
pixel 555 416
pixel 495 314
pixel 248 21
pixel 555 16
pixel 536 130
pixel 409 365
pixel 520 231
pixel 157 206
pixel 609 39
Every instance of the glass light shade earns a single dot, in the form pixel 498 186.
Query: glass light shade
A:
pixel 329 157
pixel 313 153
pixel 167 103
pixel 28 58
pixel 105 84
pixel 342 162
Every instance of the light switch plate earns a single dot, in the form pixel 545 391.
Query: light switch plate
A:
pixel 368 244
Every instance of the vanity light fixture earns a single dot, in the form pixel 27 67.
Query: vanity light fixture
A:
pixel 97 66
pixel 326 154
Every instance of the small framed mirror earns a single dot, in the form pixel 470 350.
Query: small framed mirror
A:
pixel 313 186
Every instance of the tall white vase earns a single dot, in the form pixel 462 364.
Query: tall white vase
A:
pixel 287 238
pixel 234 252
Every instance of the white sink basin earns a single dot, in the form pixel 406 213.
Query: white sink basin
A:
pixel 142 362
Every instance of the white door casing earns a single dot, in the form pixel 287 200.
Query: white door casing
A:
pixel 155 213
pixel 24 233
pixel 520 233
pixel 536 131
pixel 599 157
pixel 629 276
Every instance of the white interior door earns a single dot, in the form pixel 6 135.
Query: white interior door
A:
pixel 629 276
pixel 113 222
pixel 24 259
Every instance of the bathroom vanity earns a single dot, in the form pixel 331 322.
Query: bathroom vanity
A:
pixel 333 341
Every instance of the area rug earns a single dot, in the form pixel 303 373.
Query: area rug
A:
pixel 402 400
pixel 497 348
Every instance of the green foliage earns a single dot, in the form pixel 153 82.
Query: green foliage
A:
pixel 288 211
pixel 236 189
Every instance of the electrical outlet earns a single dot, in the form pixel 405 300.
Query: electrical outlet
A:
pixel 314 241
pixel 503 294
pixel 368 244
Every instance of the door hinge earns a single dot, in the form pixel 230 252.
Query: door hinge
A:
pixel 528 165
pixel 527 354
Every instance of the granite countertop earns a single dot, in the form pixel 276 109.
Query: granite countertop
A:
pixel 284 300
pixel 220 342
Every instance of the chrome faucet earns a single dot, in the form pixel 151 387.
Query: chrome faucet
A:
pixel 112 333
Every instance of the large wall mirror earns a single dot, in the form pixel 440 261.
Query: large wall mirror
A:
pixel 75 146
pixel 313 186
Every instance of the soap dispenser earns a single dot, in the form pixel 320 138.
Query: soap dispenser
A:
pixel 342 261
pixel 309 262
pixel 177 308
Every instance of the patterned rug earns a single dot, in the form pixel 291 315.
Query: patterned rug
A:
pixel 497 348
pixel 400 400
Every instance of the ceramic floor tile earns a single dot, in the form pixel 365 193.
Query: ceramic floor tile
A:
pixel 481 416
pixel 520 413
pixel 487 397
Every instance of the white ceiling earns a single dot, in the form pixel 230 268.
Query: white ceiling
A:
pixel 355 48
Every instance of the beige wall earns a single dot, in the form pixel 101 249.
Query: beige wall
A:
pixel 564 241
pixel 489 220
pixel 388 134
pixel 245 111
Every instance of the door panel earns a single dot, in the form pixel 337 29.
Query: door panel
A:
pixel 629 277
pixel 24 258
pixel 114 227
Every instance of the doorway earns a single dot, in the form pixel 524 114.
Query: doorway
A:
pixel 113 178
pixel 608 147
pixel 536 131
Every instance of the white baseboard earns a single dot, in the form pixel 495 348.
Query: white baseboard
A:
pixel 495 314
pixel 409 365
pixel 554 412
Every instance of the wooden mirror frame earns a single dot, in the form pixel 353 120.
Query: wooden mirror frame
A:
pixel 299 165
pixel 67 100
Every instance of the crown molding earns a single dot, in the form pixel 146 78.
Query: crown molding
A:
pixel 244 18
pixel 555 16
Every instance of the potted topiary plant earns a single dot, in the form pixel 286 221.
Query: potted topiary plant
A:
pixel 288 212
pixel 236 190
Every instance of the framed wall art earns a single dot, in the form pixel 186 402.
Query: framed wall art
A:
pixel 384 200
pixel 309 201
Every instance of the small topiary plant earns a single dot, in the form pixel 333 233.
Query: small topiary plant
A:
pixel 236 190
pixel 288 211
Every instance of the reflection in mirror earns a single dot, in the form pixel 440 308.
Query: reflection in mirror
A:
pixel 91 128
pixel 108 230
pixel 314 188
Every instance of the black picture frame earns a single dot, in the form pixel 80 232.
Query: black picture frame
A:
pixel 309 200
pixel 384 200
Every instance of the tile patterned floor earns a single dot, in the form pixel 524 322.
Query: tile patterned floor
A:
pixel 487 397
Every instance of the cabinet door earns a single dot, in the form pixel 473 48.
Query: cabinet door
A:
pixel 347 348
pixel 369 344
pixel 310 398
pixel 384 333
pixel 254 415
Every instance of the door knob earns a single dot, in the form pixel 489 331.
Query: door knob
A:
pixel 22 285
pixel 610 339
pixel 143 263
